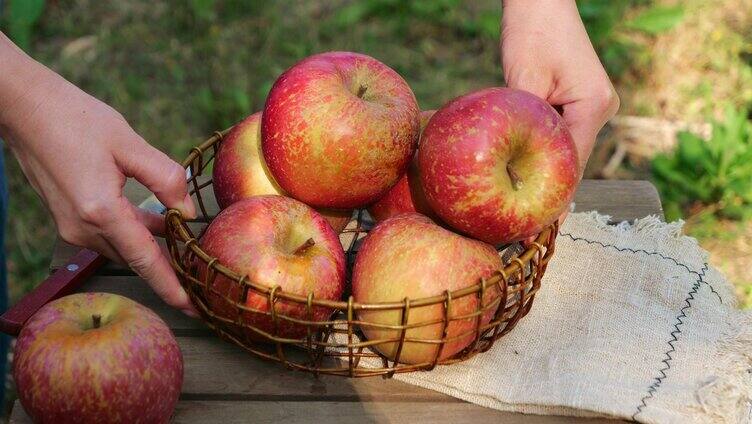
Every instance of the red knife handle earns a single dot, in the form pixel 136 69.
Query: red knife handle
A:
pixel 63 281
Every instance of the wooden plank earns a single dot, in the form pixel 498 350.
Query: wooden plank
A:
pixel 218 370
pixel 214 367
pixel 224 382
pixel 228 412
pixel 623 200
pixel 62 252
pixel 135 288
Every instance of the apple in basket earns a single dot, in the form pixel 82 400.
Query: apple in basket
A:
pixel 339 129
pixel 407 195
pixel 274 241
pixel 408 256
pixel 97 358
pixel 240 172
pixel 498 164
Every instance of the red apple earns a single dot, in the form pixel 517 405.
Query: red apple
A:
pixel 97 358
pixel 407 195
pixel 275 241
pixel 410 256
pixel 240 172
pixel 498 164
pixel 339 129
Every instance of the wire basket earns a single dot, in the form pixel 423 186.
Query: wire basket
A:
pixel 337 346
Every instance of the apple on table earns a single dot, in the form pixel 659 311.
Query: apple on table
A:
pixel 97 358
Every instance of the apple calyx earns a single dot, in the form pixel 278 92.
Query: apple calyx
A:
pixel 514 177
pixel 96 320
pixel 304 247
pixel 362 91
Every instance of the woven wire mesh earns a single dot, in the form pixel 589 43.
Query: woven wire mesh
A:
pixel 337 346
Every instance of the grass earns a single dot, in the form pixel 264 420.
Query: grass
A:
pixel 180 70
pixel 729 244
pixel 697 68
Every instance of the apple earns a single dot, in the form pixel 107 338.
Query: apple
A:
pixel 498 164
pixel 410 256
pixel 275 241
pixel 97 358
pixel 407 195
pixel 339 129
pixel 240 172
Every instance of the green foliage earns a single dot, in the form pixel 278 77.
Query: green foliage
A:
pixel 202 9
pixel 746 289
pixel 403 14
pixel 710 178
pixel 21 17
pixel 657 19
pixel 613 36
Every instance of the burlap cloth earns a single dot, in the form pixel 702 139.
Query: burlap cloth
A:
pixel 631 322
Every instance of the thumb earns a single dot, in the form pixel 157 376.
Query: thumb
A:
pixel 160 174
pixel 585 118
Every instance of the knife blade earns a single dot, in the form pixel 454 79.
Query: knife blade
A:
pixel 64 280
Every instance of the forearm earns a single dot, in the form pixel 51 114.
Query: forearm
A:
pixel 535 4
pixel 534 17
pixel 20 75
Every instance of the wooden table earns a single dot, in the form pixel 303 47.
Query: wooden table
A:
pixel 224 384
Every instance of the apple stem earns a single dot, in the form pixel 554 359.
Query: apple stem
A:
pixel 303 247
pixel 361 91
pixel 96 320
pixel 514 177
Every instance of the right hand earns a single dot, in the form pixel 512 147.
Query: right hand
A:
pixel 77 152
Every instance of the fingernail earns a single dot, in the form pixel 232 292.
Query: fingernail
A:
pixel 189 209
pixel 191 313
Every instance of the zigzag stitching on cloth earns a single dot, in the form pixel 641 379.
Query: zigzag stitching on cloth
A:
pixel 667 360
pixel 669 258
pixel 653 388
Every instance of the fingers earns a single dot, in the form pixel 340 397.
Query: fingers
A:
pixel 160 174
pixel 586 117
pixel 102 246
pixel 153 222
pixel 141 252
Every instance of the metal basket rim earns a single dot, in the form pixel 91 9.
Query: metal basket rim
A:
pixel 174 221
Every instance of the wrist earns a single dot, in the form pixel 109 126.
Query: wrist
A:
pixel 527 9
pixel 534 3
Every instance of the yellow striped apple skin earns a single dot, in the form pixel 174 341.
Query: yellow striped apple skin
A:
pixel 407 195
pixel 409 256
pixel 266 238
pixel 240 171
pixel 498 164
pixel 129 369
pixel 339 129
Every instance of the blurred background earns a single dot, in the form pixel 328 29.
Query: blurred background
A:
pixel 179 70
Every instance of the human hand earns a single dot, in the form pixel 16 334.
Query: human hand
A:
pixel 545 50
pixel 77 152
